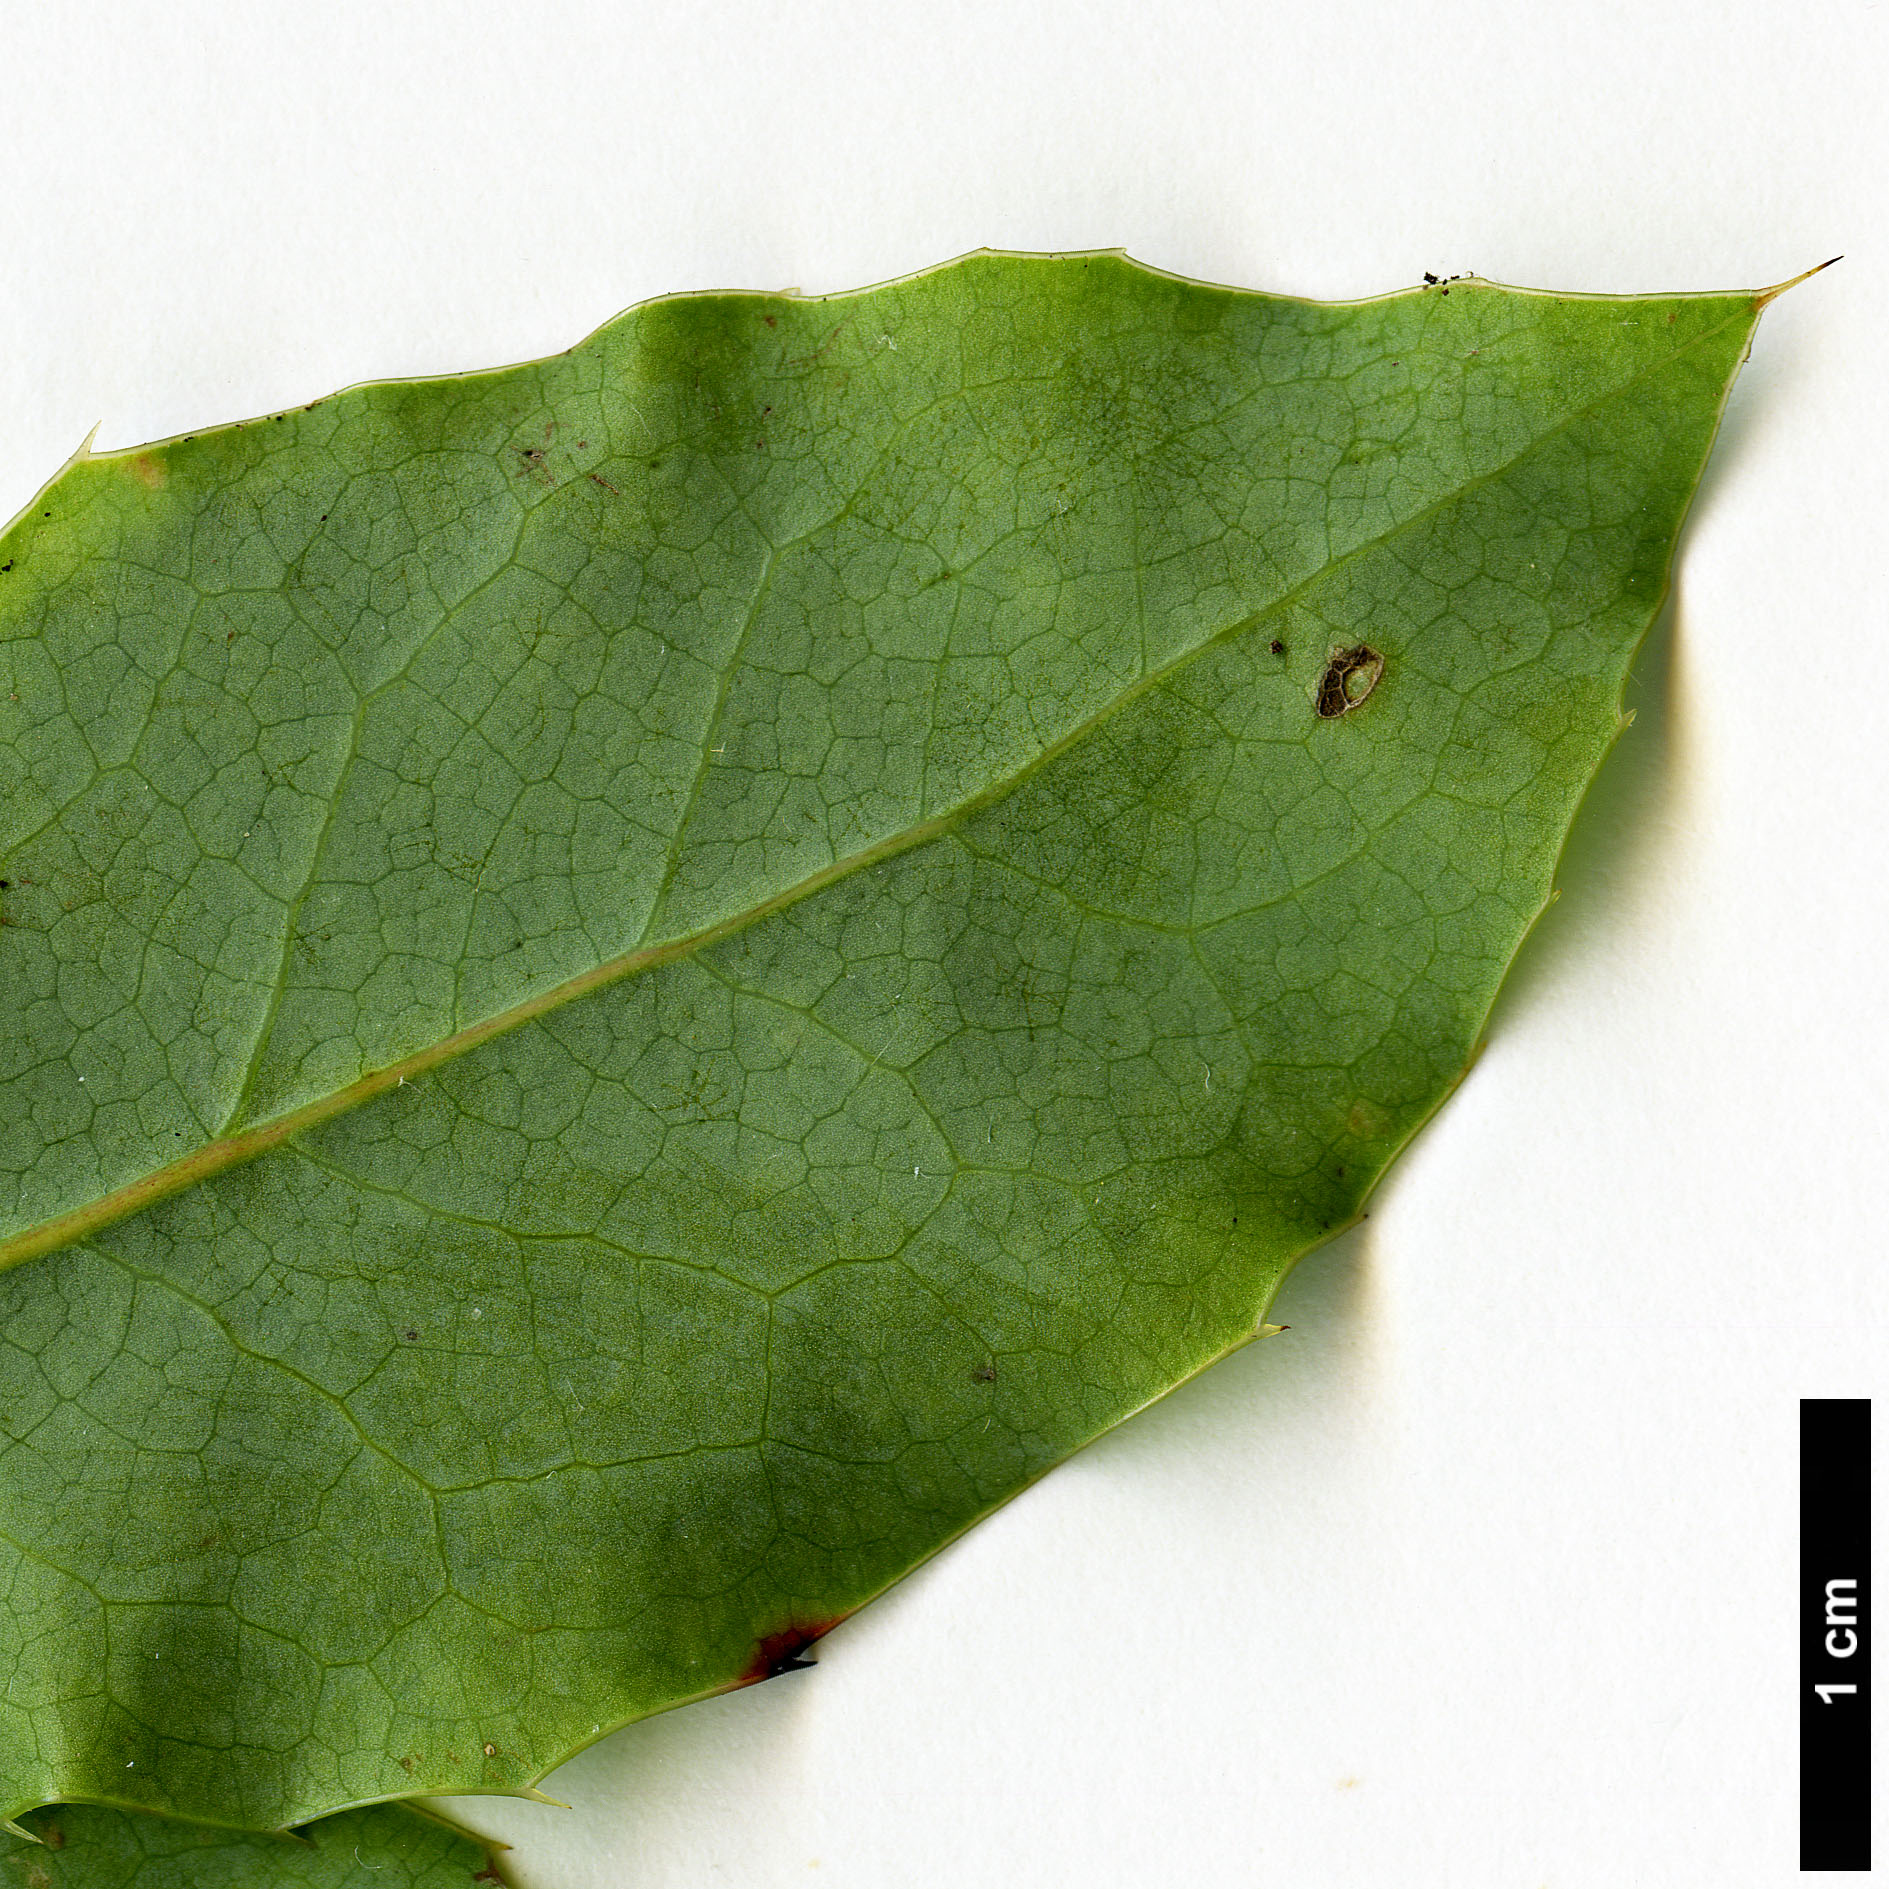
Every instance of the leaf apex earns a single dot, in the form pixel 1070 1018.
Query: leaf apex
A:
pixel 1765 297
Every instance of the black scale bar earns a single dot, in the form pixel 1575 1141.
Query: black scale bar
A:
pixel 1833 1630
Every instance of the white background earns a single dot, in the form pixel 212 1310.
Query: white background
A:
pixel 1483 1573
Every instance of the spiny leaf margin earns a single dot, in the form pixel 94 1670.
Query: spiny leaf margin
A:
pixel 1135 724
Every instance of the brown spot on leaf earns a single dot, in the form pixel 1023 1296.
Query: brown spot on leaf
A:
pixel 490 1750
pixel 984 1373
pixel 777 1653
pixel 150 473
pixel 53 1837
pixel 1350 676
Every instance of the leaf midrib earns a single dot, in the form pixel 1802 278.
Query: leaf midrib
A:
pixel 229 1151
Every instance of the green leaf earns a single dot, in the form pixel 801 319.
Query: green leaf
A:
pixel 638 986
pixel 388 1846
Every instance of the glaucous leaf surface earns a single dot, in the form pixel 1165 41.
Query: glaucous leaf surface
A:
pixel 637 986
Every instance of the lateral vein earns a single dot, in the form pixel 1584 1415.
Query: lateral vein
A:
pixel 230 1151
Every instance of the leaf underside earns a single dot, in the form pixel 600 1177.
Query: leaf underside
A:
pixel 636 987
pixel 385 1846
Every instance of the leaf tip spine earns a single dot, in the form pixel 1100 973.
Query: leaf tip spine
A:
pixel 1765 297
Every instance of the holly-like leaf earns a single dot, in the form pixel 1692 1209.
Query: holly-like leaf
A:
pixel 387 1846
pixel 636 987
